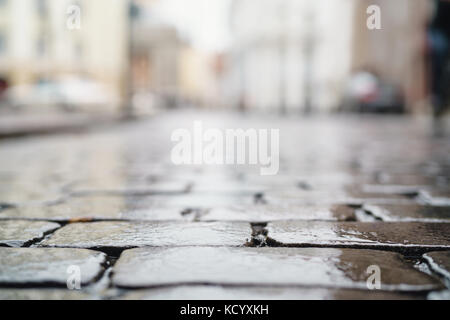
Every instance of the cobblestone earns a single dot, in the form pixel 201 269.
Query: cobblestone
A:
pixel 261 293
pixel 413 212
pixel 396 235
pixel 439 262
pixel 21 233
pixel 47 266
pixel 43 294
pixel 338 268
pixel 138 234
pixel 100 208
pixel 349 192
pixel 258 213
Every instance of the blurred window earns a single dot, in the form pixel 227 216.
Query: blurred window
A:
pixel 41 7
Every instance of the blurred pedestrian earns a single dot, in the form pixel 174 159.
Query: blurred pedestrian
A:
pixel 438 43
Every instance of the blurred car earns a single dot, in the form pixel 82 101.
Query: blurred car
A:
pixel 68 94
pixel 365 92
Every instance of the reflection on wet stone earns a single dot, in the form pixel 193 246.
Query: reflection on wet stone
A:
pixel 217 292
pixel 414 212
pixel 335 268
pixel 400 235
pixel 167 188
pixel 47 266
pixel 268 212
pixel 43 294
pixel 145 233
pixel 357 172
pixel 99 208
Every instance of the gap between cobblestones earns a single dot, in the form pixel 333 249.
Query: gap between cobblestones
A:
pixel 259 238
pixel 105 266
pixel 259 234
pixel 412 252
pixel 431 269
pixel 103 287
pixel 45 234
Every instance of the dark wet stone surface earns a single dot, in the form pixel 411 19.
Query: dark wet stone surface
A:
pixel 145 233
pixel 401 235
pixel 267 212
pixel 439 262
pixel 47 266
pixel 199 292
pixel 336 268
pixel 414 212
pixel 17 233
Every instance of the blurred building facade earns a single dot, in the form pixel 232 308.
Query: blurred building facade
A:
pixel 297 55
pixel 281 60
pixel 37 44
pixel 286 55
pixel 167 71
pixel 396 52
pixel 155 59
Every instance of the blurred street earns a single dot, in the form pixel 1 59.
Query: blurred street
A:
pixel 352 191
pixel 226 149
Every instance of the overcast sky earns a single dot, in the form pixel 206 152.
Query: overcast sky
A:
pixel 205 22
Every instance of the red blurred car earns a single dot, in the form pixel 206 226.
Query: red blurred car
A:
pixel 365 92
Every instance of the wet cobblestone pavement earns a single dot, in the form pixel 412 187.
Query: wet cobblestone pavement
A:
pixel 351 192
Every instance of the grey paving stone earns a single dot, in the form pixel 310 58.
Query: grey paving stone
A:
pixel 439 295
pixel 215 292
pixel 146 233
pixel 124 189
pixel 415 212
pixel 319 267
pixel 401 235
pixel 438 192
pixel 435 197
pixel 205 200
pixel 386 178
pixel 392 190
pixel 439 262
pixel 47 266
pixel 321 198
pixel 297 195
pixel 225 187
pixel 18 193
pixel 44 294
pixel 382 193
pixel 99 208
pixel 17 233
pixel 268 212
